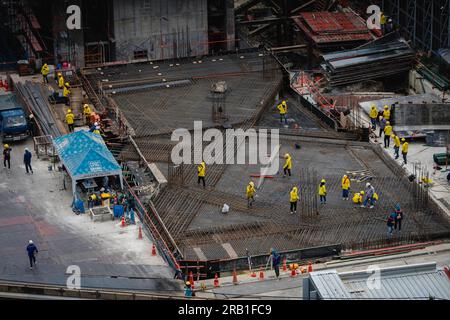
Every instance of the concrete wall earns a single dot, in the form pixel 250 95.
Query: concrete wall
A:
pixel 427 115
pixel 166 28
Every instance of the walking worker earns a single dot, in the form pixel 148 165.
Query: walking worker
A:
pixel 7 156
pixel 60 80
pixel 276 259
pixel 345 187
pixel 32 250
pixel 368 196
pixel 382 122
pixel 45 71
pixel 323 192
pixel 390 225
pixel 396 145
pixel 66 93
pixel 27 161
pixel 387 134
pixel 287 165
pixel 250 193
pixel 405 148
pixel 87 114
pixel 358 197
pixel 387 113
pixel 294 199
pixel 282 108
pixel 398 217
pixel 131 206
pixel 69 119
pixel 373 116
pixel 201 172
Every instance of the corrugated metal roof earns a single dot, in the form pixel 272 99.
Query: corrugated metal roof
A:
pixel 412 282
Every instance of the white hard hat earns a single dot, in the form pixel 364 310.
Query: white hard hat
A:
pixel 30 242
pixel 102 189
pixel 367 184
pixel 96 124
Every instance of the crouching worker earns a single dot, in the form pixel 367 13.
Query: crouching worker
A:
pixel 358 197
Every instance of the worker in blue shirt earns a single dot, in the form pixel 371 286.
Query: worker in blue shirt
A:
pixel 32 249
pixel 27 161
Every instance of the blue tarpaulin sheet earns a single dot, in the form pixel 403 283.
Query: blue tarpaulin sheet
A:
pixel 85 155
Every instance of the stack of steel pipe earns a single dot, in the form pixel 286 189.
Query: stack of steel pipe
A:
pixel 367 63
pixel 35 98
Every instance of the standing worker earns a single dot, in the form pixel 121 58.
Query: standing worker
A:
pixel 323 192
pixel 7 156
pixel 369 196
pixel 45 71
pixel 60 80
pixel 382 123
pixel 276 259
pixel 250 193
pixel 398 217
pixel 201 172
pixel 405 148
pixel 32 249
pixel 390 225
pixel 345 187
pixel 396 145
pixel 27 161
pixel 66 93
pixel 282 108
pixel 87 114
pixel 287 165
pixel 69 120
pixel 387 134
pixel 373 116
pixel 383 23
pixel 387 113
pixel 294 200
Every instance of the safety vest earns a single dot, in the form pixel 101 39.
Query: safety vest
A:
pixel 69 118
pixel 66 92
pixel 345 183
pixel 383 19
pixel 397 141
pixel 45 70
pixel 294 195
pixel 375 196
pixel 288 163
pixel 374 113
pixel 357 198
pixel 61 82
pixel 388 130
pixel 87 111
pixel 322 190
pixel 93 197
pixel 282 108
pixel 405 147
pixel 250 191
pixel 96 131
pixel 201 169
pixel 387 114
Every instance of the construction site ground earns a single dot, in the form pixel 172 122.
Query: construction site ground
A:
pixel 37 207
pixel 290 288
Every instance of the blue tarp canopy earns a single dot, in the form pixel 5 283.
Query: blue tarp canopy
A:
pixel 85 155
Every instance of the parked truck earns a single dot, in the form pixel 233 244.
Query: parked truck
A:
pixel 13 121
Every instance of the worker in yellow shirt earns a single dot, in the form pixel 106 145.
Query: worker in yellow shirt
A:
pixel 294 199
pixel 69 120
pixel 383 21
pixel 66 93
pixel 323 192
pixel 45 71
pixel 287 165
pixel 250 194
pixel 345 183
pixel 282 109
pixel 396 145
pixel 405 148
pixel 201 172
pixel 87 114
pixel 386 113
pixel 358 197
pixel 60 80
pixel 373 116
pixel 387 134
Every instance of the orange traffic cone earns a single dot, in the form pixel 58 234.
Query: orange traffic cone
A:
pixel 293 272
pixel 235 280
pixel 140 233
pixel 122 222
pixel 153 250
pixel 284 265
pixel 191 280
pixel 216 281
pixel 5 85
pixel 310 268
pixel 303 270
pixel 253 274
pixel 261 274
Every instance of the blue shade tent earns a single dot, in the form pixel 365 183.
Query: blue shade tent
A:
pixel 85 155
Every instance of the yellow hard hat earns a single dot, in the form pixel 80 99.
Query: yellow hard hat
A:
pixel 362 192
pixel 252 183
pixel 403 139
pixel 392 135
pixel 284 102
pixel 86 105
pixel 59 74
pixel 387 122
pixel 323 180
pixel 6 145
pixel 69 111
pixel 386 107
pixel 67 84
pixel 286 155
pixel 345 176
pixel 374 106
